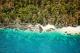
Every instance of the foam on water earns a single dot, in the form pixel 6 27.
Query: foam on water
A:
pixel 24 41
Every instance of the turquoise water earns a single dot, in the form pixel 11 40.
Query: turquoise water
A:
pixel 19 41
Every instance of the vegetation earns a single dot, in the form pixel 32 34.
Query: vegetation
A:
pixel 57 12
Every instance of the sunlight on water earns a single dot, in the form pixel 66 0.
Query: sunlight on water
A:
pixel 21 41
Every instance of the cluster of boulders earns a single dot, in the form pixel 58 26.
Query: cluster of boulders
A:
pixel 41 28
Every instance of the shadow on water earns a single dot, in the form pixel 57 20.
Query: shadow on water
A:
pixel 19 41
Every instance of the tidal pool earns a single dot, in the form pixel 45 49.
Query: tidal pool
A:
pixel 20 41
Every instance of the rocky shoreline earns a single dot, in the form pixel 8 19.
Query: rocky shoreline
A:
pixel 44 28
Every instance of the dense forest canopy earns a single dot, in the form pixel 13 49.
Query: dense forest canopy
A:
pixel 57 12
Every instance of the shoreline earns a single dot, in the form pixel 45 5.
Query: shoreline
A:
pixel 26 24
pixel 42 28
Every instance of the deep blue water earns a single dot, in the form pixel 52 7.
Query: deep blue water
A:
pixel 18 41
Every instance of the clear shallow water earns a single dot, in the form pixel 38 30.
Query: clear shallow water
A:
pixel 19 41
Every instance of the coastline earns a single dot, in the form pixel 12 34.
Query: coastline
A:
pixel 42 28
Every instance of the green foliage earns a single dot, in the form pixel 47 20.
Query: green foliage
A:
pixel 40 11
